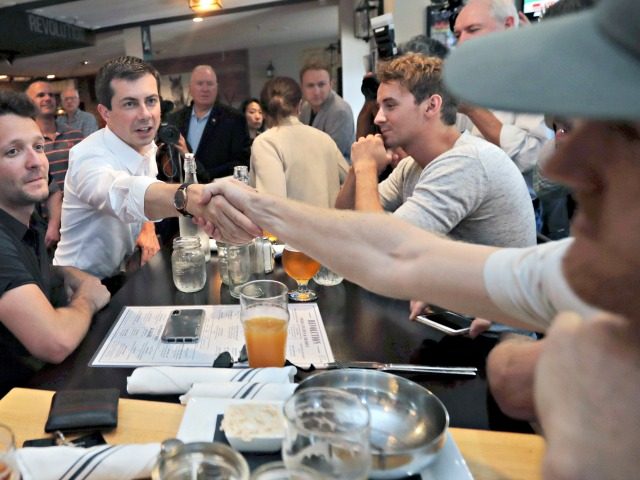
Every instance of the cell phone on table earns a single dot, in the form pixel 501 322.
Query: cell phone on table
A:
pixel 183 326
pixel 450 323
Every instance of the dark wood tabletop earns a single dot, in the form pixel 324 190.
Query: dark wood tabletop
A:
pixel 360 325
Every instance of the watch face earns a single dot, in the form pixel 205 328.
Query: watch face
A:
pixel 180 199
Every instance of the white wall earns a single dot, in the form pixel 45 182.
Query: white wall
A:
pixel 287 60
pixel 354 51
pixel 409 18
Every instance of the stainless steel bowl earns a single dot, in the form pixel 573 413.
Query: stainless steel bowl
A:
pixel 408 422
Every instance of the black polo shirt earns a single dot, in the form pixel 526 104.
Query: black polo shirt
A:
pixel 23 260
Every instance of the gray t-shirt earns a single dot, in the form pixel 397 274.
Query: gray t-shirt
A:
pixel 473 192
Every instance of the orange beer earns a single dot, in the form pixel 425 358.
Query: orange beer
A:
pixel 299 266
pixel 266 339
pixel 270 236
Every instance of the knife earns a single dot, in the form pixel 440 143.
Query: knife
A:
pixel 401 367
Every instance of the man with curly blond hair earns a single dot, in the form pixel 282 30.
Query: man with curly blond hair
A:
pixel 451 183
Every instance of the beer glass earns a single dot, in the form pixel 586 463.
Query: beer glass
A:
pixel 265 319
pixel 301 268
pixel 327 432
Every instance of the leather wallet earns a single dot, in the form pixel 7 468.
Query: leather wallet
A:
pixel 73 410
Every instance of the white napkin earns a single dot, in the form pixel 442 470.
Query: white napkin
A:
pixel 245 390
pixel 104 462
pixel 169 380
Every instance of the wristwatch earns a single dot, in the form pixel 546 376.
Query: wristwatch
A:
pixel 180 200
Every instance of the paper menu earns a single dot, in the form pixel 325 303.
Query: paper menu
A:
pixel 134 339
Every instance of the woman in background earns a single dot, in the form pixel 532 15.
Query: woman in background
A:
pixel 291 159
pixel 253 114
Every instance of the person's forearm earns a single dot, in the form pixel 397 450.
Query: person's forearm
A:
pixel 367 198
pixel 346 198
pixel 487 123
pixel 383 254
pixel 54 207
pixel 158 200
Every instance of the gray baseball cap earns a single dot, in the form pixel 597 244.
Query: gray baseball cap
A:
pixel 580 65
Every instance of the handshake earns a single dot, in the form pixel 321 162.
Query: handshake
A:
pixel 226 210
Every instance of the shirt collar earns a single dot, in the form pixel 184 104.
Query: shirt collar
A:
pixel 16 227
pixel 193 113
pixel 129 157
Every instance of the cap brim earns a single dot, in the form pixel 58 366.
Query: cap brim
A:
pixel 564 66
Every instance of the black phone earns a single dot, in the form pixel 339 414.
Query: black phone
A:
pixel 450 323
pixel 183 326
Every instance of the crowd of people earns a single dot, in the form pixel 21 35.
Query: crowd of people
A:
pixel 454 224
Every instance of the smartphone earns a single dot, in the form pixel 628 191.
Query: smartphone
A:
pixel 450 323
pixel 183 326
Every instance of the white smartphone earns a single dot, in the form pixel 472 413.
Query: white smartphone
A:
pixel 183 326
pixel 447 322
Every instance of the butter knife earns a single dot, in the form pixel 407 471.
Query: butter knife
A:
pixel 401 367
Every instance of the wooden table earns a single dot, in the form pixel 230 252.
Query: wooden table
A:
pixel 489 455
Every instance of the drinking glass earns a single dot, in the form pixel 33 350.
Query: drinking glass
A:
pixel 301 268
pixel 327 431
pixel 201 460
pixel 265 319
pixel 279 471
pixel 8 466
pixel 327 277
pixel 239 267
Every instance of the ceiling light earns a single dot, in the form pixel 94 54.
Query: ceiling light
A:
pixel 51 76
pixel 201 6
pixel 197 19
pixel 85 62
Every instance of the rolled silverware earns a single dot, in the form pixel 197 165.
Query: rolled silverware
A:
pixel 401 367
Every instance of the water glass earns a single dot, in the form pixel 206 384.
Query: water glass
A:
pixel 199 460
pixel 8 465
pixel 188 264
pixel 279 471
pixel 265 319
pixel 328 432
pixel 239 267
pixel 327 277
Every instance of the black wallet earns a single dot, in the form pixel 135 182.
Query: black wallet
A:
pixel 73 410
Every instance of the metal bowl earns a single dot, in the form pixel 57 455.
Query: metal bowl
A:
pixel 408 422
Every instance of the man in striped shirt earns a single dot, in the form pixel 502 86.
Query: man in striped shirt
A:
pixel 57 143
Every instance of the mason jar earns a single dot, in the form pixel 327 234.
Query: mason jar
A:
pixel 188 264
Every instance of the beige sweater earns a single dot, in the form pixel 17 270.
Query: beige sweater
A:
pixel 299 162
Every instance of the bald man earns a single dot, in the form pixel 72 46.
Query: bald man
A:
pixel 216 133
pixel 74 117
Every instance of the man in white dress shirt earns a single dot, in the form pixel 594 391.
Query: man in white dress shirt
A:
pixel 520 135
pixel 111 187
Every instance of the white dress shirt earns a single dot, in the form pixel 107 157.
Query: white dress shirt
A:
pixel 521 137
pixel 103 206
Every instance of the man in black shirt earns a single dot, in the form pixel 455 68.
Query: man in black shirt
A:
pixel 38 322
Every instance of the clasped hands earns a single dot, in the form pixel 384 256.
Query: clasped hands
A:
pixel 224 211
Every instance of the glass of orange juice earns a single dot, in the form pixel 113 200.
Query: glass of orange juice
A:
pixel 265 319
